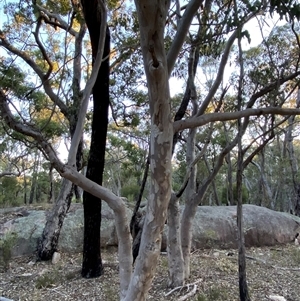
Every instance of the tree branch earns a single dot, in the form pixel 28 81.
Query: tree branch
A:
pixel 42 48
pixel 8 173
pixel 46 83
pixel 59 22
pixel 204 119
pixel 183 28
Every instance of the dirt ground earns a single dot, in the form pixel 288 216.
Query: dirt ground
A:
pixel 270 271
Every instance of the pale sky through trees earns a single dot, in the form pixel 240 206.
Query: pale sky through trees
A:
pixel 253 26
pixel 177 85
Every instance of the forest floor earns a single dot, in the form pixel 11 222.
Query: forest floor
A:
pixel 270 271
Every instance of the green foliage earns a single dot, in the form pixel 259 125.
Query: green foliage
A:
pixel 50 128
pixel 13 78
pixel 288 9
pixel 7 242
pixel 245 194
pixel 130 191
pixel 10 192
pixel 62 7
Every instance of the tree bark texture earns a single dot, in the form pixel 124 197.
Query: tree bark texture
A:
pixel 51 232
pixel 92 264
pixel 175 256
pixel 152 18
pixel 49 240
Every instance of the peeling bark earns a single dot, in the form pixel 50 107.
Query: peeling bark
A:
pixel 152 18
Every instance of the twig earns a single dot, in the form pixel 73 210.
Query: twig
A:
pixel 55 289
pixel 183 286
pixel 191 293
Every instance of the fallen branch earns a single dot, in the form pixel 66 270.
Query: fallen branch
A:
pixel 182 287
pixel 55 289
pixel 190 294
pixel 276 298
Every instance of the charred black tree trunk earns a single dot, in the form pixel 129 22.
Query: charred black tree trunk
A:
pixel 92 264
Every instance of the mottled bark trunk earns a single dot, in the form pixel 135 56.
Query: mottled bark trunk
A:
pixel 48 243
pixel 152 18
pixel 92 263
pixel 188 215
pixel 175 256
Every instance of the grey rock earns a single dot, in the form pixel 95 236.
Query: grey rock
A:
pixel 28 230
pixel 212 227
pixel 55 258
pixel 217 227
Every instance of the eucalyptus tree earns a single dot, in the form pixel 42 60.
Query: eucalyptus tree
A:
pixel 278 53
pixel 48 46
pixel 159 61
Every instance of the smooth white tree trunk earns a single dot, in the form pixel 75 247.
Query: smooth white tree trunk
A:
pixel 152 18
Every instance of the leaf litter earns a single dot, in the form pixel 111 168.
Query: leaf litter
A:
pixel 271 271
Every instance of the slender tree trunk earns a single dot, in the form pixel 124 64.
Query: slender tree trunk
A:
pixel 229 188
pixel 34 178
pixel 25 184
pixel 48 244
pixel 188 215
pixel 137 221
pixel 175 256
pixel 49 240
pixel 289 147
pixel 52 190
pixel 243 287
pixel 190 209
pixel 175 252
pixel 92 264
